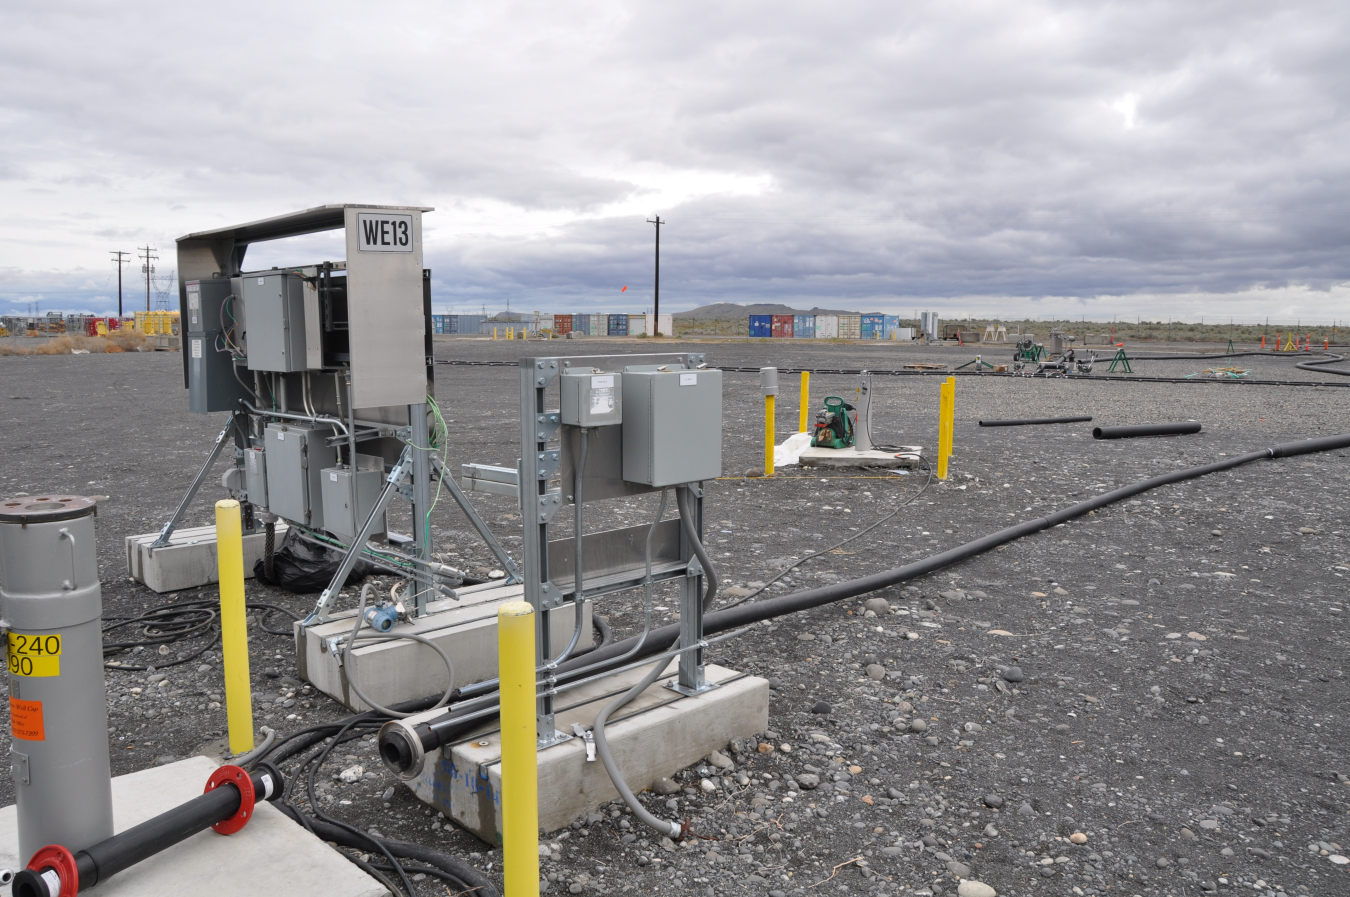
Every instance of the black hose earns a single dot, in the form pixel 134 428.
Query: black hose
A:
pixel 466 877
pixel 1317 366
pixel 460 720
pixel 1146 430
pixel 1031 421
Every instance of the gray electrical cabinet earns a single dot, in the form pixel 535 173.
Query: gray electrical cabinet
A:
pixel 338 517
pixel 212 385
pixel 296 458
pixel 283 322
pixel 255 476
pixel 591 399
pixel 672 426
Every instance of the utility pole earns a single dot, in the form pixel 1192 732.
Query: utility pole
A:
pixel 148 254
pixel 656 290
pixel 120 258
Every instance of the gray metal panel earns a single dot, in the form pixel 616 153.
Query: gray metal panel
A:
pixel 295 458
pixel 293 224
pixel 211 383
pixel 604 463
pixel 336 490
pixel 591 400
pixel 275 335
pixel 672 430
pixel 384 308
pixel 614 551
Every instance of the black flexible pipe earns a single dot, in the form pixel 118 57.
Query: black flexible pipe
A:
pixel 453 725
pixel 1031 421
pixel 105 859
pixel 1317 366
pixel 1146 430
pixel 469 877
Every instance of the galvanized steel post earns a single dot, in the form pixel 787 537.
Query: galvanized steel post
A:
pixel 51 611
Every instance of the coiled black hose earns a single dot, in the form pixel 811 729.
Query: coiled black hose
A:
pixel 456 723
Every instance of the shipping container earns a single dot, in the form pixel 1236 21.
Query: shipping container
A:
pixel 562 324
pixel 827 326
pixel 618 325
pixel 850 326
pixel 761 325
pixel 804 326
pixel 889 326
pixel 599 325
pixel 637 325
pixel 782 326
pixel 640 324
pixel 872 326
pixel 542 322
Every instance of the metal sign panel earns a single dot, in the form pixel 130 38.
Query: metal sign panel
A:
pixel 384 306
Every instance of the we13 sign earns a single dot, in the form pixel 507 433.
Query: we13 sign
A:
pixel 384 232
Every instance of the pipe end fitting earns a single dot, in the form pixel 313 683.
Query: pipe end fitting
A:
pixel 401 750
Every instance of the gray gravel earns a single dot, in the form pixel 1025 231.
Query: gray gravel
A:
pixel 1175 697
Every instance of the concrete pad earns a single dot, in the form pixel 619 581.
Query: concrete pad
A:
pixel 189 560
pixel 271 853
pixel 907 457
pixel 657 734
pixel 389 672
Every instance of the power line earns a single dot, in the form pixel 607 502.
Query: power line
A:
pixel 120 259
pixel 148 256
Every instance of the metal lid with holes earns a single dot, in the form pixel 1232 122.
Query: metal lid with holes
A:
pixel 45 508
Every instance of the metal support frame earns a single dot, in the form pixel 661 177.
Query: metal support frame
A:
pixel 539 503
pixel 448 482
pixel 211 459
pixel 421 499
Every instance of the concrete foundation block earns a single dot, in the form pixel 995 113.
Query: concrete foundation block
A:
pixel 394 671
pixel 907 458
pixel 271 849
pixel 189 560
pixel 658 733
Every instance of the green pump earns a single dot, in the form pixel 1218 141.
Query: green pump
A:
pixel 834 426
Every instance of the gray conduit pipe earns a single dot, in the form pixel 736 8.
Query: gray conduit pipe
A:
pixel 669 829
pixel 684 501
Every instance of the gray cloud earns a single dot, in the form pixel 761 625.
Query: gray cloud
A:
pixel 1151 157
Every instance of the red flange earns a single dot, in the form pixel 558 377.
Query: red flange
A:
pixel 62 862
pixel 240 779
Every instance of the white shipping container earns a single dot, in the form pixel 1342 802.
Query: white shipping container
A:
pixel 827 326
pixel 542 321
pixel 850 326
pixel 666 326
pixel 902 333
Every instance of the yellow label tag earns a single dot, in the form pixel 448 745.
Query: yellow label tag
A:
pixel 34 655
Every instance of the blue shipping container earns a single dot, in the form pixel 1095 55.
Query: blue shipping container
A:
pixel 804 326
pixel 761 325
pixel 581 324
pixel 892 325
pixel 873 326
pixel 618 325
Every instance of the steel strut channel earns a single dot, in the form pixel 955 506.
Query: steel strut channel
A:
pixel 512 571
pixel 169 527
pixel 323 608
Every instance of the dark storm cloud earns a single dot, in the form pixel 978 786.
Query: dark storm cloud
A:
pixel 879 154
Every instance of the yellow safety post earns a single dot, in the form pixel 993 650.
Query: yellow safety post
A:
pixel 768 435
pixel 233 626
pixel 520 764
pixel 494 332
pixel 806 402
pixel 946 415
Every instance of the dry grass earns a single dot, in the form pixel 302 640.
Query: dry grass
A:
pixel 117 341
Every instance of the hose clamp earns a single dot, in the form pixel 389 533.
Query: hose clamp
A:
pixel 58 859
pixel 241 780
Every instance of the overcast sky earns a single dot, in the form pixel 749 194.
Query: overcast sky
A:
pixel 1156 159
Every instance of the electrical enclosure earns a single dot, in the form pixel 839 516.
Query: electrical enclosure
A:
pixel 337 501
pixel 296 457
pixel 212 385
pixel 255 476
pixel 589 399
pixel 672 426
pixel 283 323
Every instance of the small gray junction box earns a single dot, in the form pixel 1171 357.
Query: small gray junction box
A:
pixel 591 399
pixel 672 426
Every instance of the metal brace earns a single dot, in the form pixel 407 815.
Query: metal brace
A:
pixel 547 464
pixel 545 372
pixel 547 424
pixel 589 738
pixel 549 503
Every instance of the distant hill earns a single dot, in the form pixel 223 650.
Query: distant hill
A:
pixel 734 310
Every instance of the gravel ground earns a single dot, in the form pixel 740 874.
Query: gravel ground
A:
pixel 1146 701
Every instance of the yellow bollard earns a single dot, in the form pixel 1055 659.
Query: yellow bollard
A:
pixel 769 435
pixel 946 415
pixel 520 763
pixel 806 401
pixel 234 626
pixel 494 332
